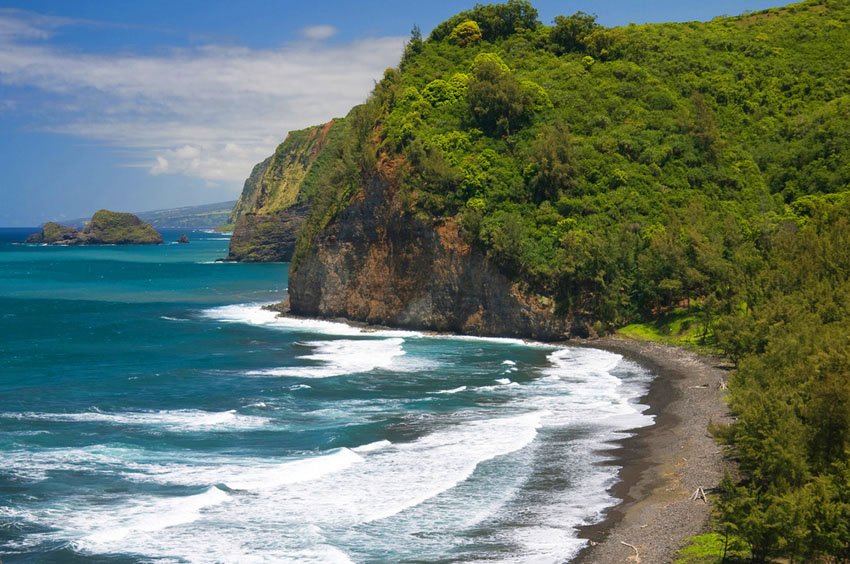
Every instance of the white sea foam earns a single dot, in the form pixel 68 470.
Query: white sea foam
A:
pixel 342 356
pixel 452 391
pixel 495 340
pixel 293 502
pixel 293 509
pixel 256 314
pixel 596 395
pixel 150 515
pixel 296 471
pixel 503 388
pixel 172 420
pixel 370 447
pixel 509 362
pixel 401 476
pixel 35 465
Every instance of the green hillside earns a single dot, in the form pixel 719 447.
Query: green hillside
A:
pixel 631 173
pixel 207 216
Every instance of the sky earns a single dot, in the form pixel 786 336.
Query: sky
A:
pixel 135 105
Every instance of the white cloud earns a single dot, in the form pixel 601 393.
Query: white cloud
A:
pixel 161 166
pixel 19 24
pixel 210 112
pixel 188 152
pixel 318 32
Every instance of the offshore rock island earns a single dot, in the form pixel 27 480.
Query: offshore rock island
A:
pixel 105 228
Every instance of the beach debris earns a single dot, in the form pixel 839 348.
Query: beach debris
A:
pixel 699 494
pixel 636 557
pixel 723 385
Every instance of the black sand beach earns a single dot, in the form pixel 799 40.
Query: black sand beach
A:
pixel 664 464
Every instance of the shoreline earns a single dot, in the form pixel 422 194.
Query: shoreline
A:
pixel 662 465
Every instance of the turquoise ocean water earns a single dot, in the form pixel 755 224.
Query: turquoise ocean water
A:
pixel 152 411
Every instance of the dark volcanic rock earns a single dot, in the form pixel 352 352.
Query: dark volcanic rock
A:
pixel 183 239
pixel 267 237
pixel 377 264
pixel 55 234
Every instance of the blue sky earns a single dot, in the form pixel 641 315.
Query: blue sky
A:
pixel 149 104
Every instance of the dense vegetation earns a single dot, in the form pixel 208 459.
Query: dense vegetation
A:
pixel 632 173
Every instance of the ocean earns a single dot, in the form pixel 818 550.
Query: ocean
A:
pixel 152 411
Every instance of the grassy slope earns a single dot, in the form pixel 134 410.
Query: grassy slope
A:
pixel 285 178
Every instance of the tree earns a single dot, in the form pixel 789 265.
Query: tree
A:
pixel 466 33
pixel 498 102
pixel 413 47
pixel 497 21
pixel 552 170
pixel 571 33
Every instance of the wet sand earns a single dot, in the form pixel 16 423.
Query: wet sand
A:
pixel 664 464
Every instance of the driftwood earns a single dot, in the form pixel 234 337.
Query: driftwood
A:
pixel 699 494
pixel 633 547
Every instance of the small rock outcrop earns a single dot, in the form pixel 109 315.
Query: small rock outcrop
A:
pixel 54 234
pixel 105 228
pixel 184 239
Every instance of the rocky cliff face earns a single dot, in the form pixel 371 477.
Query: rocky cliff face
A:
pixel 273 204
pixel 267 237
pixel 377 264
pixel 105 228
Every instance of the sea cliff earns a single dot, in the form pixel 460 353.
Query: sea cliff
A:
pixel 378 264
pixel 274 201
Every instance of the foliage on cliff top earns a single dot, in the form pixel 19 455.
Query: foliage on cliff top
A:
pixel 636 171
